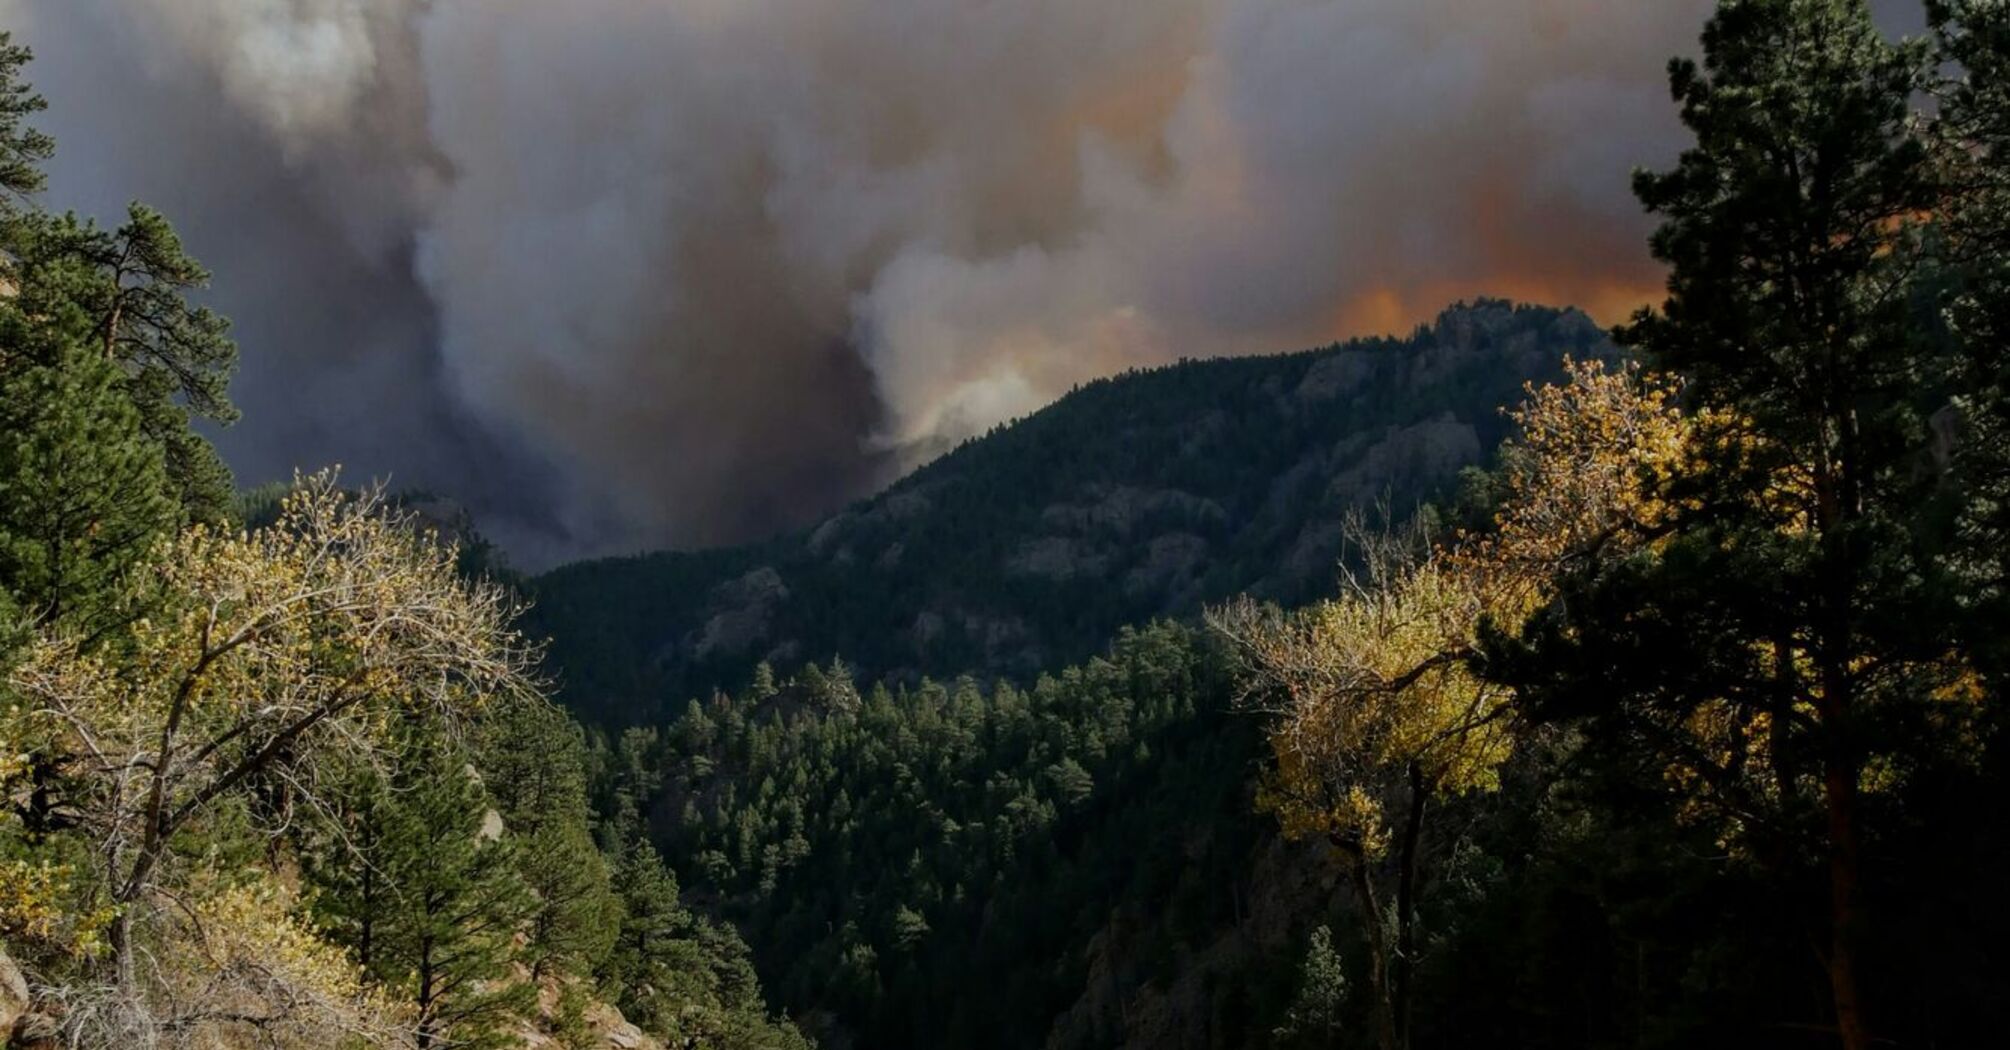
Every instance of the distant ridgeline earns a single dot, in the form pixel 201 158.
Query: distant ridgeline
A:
pixel 1145 495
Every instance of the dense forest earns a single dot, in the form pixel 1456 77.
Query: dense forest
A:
pixel 1501 685
pixel 891 852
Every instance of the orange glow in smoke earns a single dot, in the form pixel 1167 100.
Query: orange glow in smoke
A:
pixel 1386 310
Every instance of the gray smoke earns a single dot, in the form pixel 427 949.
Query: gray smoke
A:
pixel 631 273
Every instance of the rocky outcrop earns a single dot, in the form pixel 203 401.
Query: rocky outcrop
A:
pixel 1336 376
pixel 1407 456
pixel 847 536
pixel 742 610
pixel 22 1027
pixel 14 1001
pixel 606 1026
pixel 1170 564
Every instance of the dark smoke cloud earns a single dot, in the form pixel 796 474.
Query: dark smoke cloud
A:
pixel 625 273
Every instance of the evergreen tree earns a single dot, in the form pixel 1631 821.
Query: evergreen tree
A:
pixel 575 916
pixel 124 292
pixel 653 944
pixel 82 496
pixel 1785 632
pixel 354 894
pixel 23 150
pixel 424 889
pixel 534 763
pixel 1315 1014
pixel 1973 158
pixel 103 363
pixel 686 979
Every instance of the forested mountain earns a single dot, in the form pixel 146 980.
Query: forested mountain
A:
pixel 1144 495
pixel 1682 721
pixel 1692 735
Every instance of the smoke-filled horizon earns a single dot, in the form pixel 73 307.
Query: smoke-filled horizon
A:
pixel 623 274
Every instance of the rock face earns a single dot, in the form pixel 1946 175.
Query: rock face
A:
pixel 14 1001
pixel 21 1028
pixel 1121 511
pixel 617 1030
pixel 1336 376
pixel 608 1029
pixel 1408 457
pixel 743 608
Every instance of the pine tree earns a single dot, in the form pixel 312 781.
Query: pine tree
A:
pixel 103 363
pixel 575 917
pixel 23 150
pixel 1314 1017
pixel 80 488
pixel 654 944
pixel 123 292
pixel 1973 162
pixel 424 890
pixel 345 861
pixel 1791 615
pixel 533 760
pixel 82 497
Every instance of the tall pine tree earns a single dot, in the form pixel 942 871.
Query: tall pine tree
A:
pixel 104 363
pixel 1790 627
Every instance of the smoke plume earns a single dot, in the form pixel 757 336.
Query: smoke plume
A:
pixel 631 273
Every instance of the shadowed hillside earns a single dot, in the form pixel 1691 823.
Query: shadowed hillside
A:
pixel 1140 496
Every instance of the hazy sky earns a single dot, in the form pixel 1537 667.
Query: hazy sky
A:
pixel 642 273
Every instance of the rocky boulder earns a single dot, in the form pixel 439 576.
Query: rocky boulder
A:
pixel 14 999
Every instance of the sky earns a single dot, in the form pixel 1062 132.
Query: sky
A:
pixel 633 274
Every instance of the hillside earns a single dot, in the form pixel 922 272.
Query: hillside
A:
pixel 1084 851
pixel 1140 496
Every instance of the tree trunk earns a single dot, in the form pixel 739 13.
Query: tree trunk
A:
pixel 1840 776
pixel 367 925
pixel 1386 1035
pixel 427 1021
pixel 125 899
pixel 1846 917
pixel 1406 904
pixel 120 936
pixel 1841 766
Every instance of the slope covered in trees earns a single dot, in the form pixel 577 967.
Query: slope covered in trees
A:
pixel 276 772
pixel 1691 736
pixel 1144 495
pixel 927 866
pixel 1685 728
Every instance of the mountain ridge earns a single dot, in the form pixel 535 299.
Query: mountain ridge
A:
pixel 1140 495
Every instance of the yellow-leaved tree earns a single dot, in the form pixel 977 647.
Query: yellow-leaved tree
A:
pixel 1377 710
pixel 253 660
